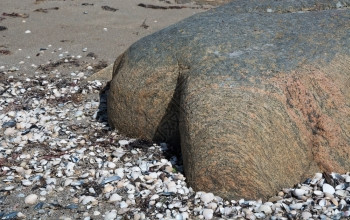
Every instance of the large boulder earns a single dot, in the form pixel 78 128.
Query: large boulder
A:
pixel 256 92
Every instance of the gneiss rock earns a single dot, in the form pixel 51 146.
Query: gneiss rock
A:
pixel 256 94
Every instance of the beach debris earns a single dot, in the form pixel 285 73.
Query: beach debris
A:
pixel 14 15
pixel 45 10
pixel 5 52
pixel 107 8
pixel 144 25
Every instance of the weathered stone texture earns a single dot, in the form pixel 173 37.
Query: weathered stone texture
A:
pixel 259 101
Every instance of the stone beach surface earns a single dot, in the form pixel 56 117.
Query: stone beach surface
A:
pixel 59 159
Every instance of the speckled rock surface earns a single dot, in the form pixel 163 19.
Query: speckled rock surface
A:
pixel 256 92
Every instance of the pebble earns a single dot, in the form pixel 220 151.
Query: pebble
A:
pixel 31 199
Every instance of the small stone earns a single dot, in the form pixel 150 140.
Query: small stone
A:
pixel 208 213
pixel 326 188
pixel 27 32
pixel 31 199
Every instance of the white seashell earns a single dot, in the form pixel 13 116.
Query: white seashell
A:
pixel 31 199
pixel 20 170
pixel 322 202
pixel 21 215
pixel 123 205
pixel 9 188
pixel 154 197
pixel 87 199
pixel 334 201
pixel 115 197
pixel 9 131
pixel 296 205
pixel 111 165
pixel 207 197
pixel 317 177
pixel 108 188
pixel 342 193
pixel 110 215
pixel 85 175
pixel 68 182
pixel 347 179
pixel 208 213
pixel 26 183
pixel 306 215
pixel 92 190
pixel 78 114
pixel 123 142
pixel 328 188
pixel 177 217
pixel 318 193
pixel 265 208
pixel 299 192
pixel 212 206
pixel 172 187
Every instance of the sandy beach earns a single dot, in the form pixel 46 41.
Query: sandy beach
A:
pixel 36 32
pixel 59 159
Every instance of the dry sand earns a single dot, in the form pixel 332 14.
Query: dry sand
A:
pixel 72 25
